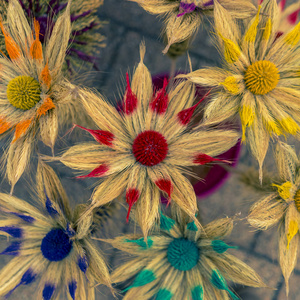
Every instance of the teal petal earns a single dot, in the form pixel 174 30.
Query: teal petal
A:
pixel 166 223
pixel 220 246
pixel 143 278
pixel 220 283
pixel 192 226
pixel 164 294
pixel 141 242
pixel 197 293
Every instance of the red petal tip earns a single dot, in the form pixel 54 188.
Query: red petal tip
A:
pixel 98 172
pixel 185 115
pixel 130 100
pixel 132 196
pixel 292 18
pixel 101 136
pixel 202 159
pixel 160 103
pixel 166 186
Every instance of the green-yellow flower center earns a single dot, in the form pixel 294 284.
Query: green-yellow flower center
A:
pixel 261 77
pixel 297 200
pixel 23 92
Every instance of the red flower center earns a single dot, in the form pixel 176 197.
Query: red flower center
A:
pixel 150 148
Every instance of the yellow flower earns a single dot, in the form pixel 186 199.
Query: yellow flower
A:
pixel 146 148
pixel 282 207
pixel 259 79
pixel 183 17
pixel 34 94
pixel 180 261
pixel 50 244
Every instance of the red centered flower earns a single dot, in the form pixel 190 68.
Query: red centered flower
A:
pixel 150 148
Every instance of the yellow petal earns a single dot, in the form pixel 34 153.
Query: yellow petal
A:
pixel 284 189
pixel 252 31
pixel 247 117
pixel 293 37
pixel 289 125
pixel 268 30
pixel 232 51
pixel 231 85
pixel 293 229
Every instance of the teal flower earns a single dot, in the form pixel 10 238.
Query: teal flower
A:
pixel 181 261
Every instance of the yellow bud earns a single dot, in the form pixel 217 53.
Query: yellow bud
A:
pixel 293 229
pixel 231 85
pixel 252 31
pixel 284 189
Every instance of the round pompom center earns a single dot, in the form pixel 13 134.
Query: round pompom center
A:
pixel 150 148
pixel 261 77
pixel 183 254
pixel 297 200
pixel 56 245
pixel 23 92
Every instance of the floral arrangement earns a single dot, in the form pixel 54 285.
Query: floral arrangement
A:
pixel 142 154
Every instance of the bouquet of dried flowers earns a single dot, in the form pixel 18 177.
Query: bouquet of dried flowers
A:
pixel 143 148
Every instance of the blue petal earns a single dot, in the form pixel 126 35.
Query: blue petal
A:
pixel 70 231
pixel 48 291
pixel 25 218
pixel 28 277
pixel 83 263
pixel 12 249
pixel 15 232
pixel 49 206
pixel 72 288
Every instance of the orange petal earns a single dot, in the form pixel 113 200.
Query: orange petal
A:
pixel 47 105
pixel 4 126
pixel 12 48
pixel 36 50
pixel 45 76
pixel 21 129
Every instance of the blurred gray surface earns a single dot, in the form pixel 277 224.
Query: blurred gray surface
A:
pixel 128 26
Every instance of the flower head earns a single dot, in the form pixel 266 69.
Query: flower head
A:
pixel 180 261
pixel 282 207
pixel 84 41
pixel 259 80
pixel 288 15
pixel 183 17
pixel 50 244
pixel 144 149
pixel 33 90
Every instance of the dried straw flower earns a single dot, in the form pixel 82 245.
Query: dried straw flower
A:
pixel 84 42
pixel 50 244
pixel 180 261
pixel 146 148
pixel 260 79
pixel 283 207
pixel 34 95
pixel 288 15
pixel 183 17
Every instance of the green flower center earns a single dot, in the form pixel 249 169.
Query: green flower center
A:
pixel 23 92
pixel 183 254
pixel 261 77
